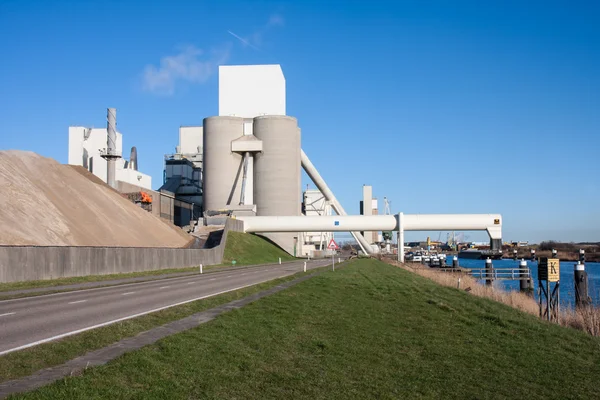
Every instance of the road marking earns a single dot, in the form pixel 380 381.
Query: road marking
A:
pixel 6 314
pixel 189 283
pixel 229 276
pixel 89 328
pixel 212 279
pixel 78 301
pixel 164 287
pixel 108 287
pixel 128 293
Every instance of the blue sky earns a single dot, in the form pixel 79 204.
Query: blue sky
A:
pixel 442 106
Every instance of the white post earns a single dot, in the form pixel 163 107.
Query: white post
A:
pixel 333 262
pixel 400 237
pixel 304 266
pixel 339 260
pixel 279 260
pixel 200 268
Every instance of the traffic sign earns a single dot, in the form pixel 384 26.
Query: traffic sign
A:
pixel 549 269
pixel 333 245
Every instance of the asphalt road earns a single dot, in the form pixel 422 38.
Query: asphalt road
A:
pixel 31 321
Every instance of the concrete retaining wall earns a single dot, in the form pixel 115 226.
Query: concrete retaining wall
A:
pixel 28 263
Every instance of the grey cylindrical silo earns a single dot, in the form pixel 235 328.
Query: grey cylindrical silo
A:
pixel 222 178
pixel 277 167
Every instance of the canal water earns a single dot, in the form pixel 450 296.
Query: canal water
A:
pixel 567 284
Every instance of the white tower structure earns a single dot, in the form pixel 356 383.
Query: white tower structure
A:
pixel 85 148
pixel 250 91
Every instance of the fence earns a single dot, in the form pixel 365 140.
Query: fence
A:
pixel 26 263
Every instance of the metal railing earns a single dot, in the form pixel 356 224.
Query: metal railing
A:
pixel 516 274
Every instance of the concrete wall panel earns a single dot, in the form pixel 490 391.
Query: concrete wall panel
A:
pixel 27 263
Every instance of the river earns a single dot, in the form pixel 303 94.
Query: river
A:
pixel 567 288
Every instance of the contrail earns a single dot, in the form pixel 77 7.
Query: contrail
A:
pixel 241 39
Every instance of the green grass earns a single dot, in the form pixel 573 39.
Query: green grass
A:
pixel 249 249
pixel 26 362
pixel 368 330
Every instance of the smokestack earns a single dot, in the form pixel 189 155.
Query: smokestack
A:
pixel 111 154
pixel 133 162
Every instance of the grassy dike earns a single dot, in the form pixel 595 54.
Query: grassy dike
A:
pixel 368 330
pixel 28 361
pixel 249 249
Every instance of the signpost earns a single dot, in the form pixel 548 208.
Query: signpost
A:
pixel 333 246
pixel 549 272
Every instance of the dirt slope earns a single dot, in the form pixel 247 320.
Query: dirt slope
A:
pixel 45 203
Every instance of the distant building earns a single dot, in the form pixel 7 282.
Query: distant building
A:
pixel 314 204
pixel 85 146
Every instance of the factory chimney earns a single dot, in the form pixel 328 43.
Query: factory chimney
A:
pixel 133 162
pixel 111 155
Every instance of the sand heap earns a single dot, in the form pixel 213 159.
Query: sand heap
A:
pixel 48 204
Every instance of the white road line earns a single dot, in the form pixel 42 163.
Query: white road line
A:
pixel 229 276
pixel 6 314
pixel 127 294
pixel 164 287
pixel 50 339
pixel 212 279
pixel 108 287
pixel 78 301
pixel 189 283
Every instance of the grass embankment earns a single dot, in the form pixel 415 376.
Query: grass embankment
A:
pixel 249 249
pixel 369 330
pixel 26 362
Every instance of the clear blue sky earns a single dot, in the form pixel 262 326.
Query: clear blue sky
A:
pixel 442 106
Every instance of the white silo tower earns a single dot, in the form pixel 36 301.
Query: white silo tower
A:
pixel 277 172
pixel 222 181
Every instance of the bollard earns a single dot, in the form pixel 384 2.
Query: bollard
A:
pixel 304 266
pixel 581 285
pixel 489 270
pixel 200 268
pixel 279 260
pixel 339 260
pixel 515 254
pixel 582 256
pixel 454 262
pixel 523 283
pixel 532 255
pixel 458 285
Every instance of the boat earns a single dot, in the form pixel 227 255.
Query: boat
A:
pixel 475 254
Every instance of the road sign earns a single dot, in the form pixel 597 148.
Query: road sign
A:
pixel 333 245
pixel 549 269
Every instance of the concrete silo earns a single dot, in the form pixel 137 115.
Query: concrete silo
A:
pixel 277 172
pixel 222 178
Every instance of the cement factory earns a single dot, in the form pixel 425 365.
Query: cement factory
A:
pixel 246 164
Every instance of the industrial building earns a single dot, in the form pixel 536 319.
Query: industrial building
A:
pixel 315 204
pixel 182 179
pixel 86 148
pixel 246 163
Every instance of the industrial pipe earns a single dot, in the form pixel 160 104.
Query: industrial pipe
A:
pixel 492 223
pixel 326 223
pixel 346 223
pixel 337 207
